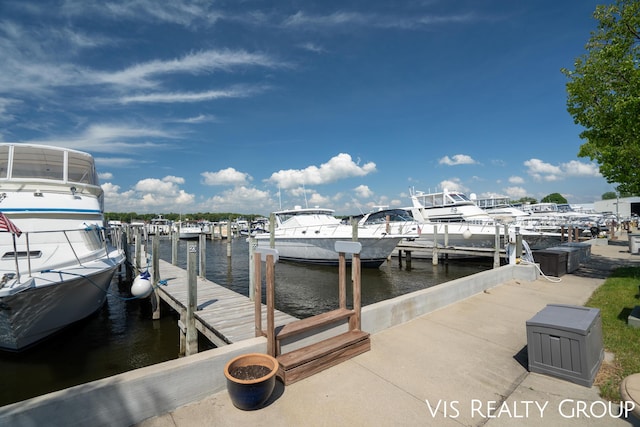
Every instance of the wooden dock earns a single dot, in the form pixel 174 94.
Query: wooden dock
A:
pixel 222 315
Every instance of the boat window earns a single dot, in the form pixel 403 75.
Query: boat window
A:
pixel 36 162
pixel 458 197
pixel 4 161
pixel 22 254
pixel 82 169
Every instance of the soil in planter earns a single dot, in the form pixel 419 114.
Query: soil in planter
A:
pixel 250 372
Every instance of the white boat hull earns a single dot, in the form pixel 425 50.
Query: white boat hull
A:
pixel 321 250
pixel 39 311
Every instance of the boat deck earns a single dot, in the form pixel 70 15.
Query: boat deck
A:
pixel 222 316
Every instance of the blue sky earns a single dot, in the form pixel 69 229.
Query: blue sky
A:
pixel 249 106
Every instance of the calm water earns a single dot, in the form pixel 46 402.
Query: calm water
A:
pixel 121 336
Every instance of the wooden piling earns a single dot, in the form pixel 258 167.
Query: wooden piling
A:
pixel 271 325
pixel 155 268
pixel 202 246
pixel 191 334
pixel 496 253
pixel 175 234
pixel 138 244
pixel 434 256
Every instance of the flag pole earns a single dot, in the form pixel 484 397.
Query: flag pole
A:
pixel 15 256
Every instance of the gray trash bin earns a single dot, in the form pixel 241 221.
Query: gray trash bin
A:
pixel 565 341
pixel 634 243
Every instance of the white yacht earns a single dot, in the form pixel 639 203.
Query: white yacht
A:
pixel 465 224
pixel 308 235
pixel 56 264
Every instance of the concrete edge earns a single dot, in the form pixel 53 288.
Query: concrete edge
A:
pixel 134 396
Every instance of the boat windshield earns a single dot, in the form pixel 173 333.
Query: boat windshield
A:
pixel 29 161
pixel 458 197
pixel 395 215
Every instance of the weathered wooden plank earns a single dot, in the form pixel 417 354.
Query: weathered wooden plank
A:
pixel 223 316
pixel 317 357
pixel 304 325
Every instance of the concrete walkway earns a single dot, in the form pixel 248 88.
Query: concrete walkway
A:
pixel 463 365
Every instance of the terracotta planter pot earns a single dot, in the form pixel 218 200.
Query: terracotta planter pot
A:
pixel 251 379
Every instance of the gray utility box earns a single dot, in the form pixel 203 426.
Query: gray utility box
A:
pixel 573 256
pixel 565 341
pixel 634 243
pixel 552 262
pixel 584 249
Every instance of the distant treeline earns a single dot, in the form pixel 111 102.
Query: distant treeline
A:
pixel 205 216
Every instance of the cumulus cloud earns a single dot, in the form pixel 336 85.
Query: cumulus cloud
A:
pixel 453 184
pixel 338 167
pixel 228 176
pixel 516 180
pixel 458 159
pixel 576 168
pixel 363 192
pixel 516 192
pixel 150 193
pixel 542 171
pixel 237 200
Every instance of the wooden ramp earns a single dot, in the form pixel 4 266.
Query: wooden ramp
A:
pixel 223 316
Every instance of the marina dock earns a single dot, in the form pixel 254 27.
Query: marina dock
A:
pixel 222 315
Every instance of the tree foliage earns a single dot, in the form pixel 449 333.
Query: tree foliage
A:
pixel 604 94
pixel 554 198
pixel 609 195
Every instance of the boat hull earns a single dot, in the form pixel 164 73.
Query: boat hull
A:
pixel 321 251
pixel 28 316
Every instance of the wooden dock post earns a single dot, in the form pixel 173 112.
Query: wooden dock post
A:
pixel 229 239
pixel 203 254
pixel 191 334
pixel 175 234
pixel 252 279
pixel 155 268
pixel 138 249
pixel 271 302
pixel 127 254
pixel 496 253
pixel 434 256
pixel 257 293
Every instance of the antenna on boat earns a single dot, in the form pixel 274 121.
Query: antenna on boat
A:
pixel 304 191
pixel 279 197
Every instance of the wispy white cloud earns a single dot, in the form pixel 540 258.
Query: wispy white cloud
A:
pixel 312 47
pixel 184 13
pixel 177 97
pixel 201 118
pixel 348 20
pixel 204 62
pixel 338 167
pixel 106 138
